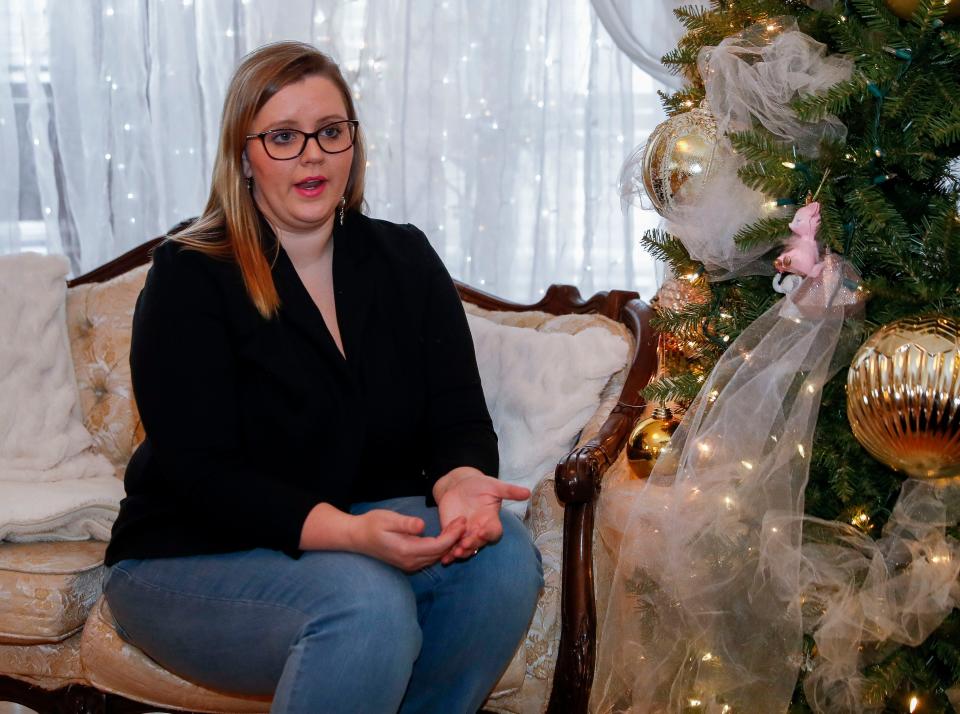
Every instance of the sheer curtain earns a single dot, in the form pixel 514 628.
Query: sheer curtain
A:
pixel 497 127
pixel 644 33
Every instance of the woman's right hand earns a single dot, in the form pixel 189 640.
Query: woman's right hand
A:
pixel 395 539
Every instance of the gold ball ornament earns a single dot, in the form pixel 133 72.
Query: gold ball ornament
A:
pixel 904 9
pixel 649 438
pixel 675 163
pixel 903 396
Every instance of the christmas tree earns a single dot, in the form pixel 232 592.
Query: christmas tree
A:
pixel 888 195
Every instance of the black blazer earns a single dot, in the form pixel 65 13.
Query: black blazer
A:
pixel 252 422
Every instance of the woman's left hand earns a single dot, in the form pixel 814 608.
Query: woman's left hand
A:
pixel 468 492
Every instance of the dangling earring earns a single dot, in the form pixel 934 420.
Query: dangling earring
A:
pixel 343 204
pixel 250 183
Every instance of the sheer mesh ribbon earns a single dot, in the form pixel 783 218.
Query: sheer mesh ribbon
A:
pixel 863 596
pixel 697 615
pixel 752 78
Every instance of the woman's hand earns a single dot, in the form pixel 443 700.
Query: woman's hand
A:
pixel 469 494
pixel 395 539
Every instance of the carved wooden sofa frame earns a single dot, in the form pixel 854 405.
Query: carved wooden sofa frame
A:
pixel 578 480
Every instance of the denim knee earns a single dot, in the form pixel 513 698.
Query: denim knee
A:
pixel 519 560
pixel 377 614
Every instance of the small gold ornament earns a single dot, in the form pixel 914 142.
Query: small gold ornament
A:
pixel 903 396
pixel 649 438
pixel 904 9
pixel 673 166
pixel 677 293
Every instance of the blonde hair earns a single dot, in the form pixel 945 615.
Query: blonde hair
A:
pixel 229 228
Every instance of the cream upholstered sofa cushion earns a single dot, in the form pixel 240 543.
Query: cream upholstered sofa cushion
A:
pixel 48 666
pixel 113 665
pixel 47 589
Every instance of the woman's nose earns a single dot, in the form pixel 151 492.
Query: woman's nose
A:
pixel 312 151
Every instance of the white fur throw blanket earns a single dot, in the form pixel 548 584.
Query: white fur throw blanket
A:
pixel 44 446
pixel 540 389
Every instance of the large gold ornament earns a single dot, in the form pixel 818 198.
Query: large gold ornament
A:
pixel 648 439
pixel 903 396
pixel 904 9
pixel 676 161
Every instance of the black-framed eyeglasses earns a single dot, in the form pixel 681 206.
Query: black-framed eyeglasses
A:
pixel 286 144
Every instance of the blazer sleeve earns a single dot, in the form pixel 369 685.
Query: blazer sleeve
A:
pixel 460 431
pixel 184 376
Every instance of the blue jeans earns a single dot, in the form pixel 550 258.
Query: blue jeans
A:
pixel 333 631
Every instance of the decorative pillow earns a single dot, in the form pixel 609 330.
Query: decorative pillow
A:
pixel 42 436
pixel 541 388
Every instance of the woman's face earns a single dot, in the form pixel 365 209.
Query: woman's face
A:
pixel 302 194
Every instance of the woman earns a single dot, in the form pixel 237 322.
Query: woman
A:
pixel 313 513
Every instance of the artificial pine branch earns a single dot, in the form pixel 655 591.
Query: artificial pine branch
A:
pixel 770 177
pixel 693 17
pixel 680 60
pixel 832 229
pixel 682 101
pixel 684 321
pixel 881 20
pixel 945 130
pixel 950 39
pixel 759 145
pixel 682 389
pixel 663 246
pixel 766 231
pixel 836 100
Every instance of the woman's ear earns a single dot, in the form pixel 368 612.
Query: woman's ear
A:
pixel 247 171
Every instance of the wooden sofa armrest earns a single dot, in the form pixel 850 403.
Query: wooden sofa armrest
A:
pixel 578 479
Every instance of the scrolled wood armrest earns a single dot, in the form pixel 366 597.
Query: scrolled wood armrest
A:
pixel 577 481
pixel 580 473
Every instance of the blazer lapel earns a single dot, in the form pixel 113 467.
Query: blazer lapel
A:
pixel 297 308
pixel 354 287
pixel 299 311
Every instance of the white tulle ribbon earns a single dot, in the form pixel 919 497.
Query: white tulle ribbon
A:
pixel 707 226
pixel 695 616
pixel 751 78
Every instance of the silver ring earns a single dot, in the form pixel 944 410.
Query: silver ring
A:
pixel 476 551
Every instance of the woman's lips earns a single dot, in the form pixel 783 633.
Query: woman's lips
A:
pixel 311 188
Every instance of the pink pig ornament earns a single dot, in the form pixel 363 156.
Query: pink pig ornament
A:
pixel 802 256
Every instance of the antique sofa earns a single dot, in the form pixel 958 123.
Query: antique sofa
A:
pixel 59 651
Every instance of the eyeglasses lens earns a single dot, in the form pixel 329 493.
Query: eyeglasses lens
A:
pixel 290 143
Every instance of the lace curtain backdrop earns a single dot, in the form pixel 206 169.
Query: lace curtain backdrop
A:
pixel 497 127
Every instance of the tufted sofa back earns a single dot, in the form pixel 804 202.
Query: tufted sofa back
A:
pixel 99 322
